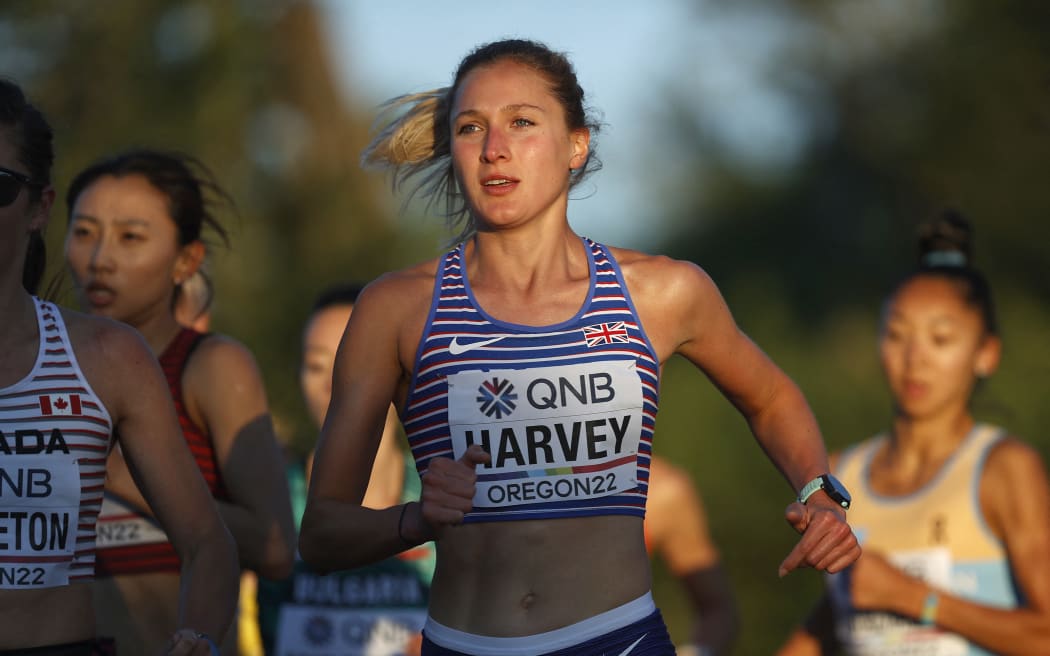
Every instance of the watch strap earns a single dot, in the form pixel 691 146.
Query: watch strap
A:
pixel 810 488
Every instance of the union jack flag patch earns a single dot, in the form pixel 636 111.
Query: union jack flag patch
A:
pixel 606 333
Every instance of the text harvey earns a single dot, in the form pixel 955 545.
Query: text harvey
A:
pixel 554 433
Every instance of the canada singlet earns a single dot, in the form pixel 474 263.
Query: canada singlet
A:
pixel 55 434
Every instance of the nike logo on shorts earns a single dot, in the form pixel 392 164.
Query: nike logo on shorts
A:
pixel 633 645
pixel 456 348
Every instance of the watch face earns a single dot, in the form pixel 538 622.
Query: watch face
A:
pixel 836 490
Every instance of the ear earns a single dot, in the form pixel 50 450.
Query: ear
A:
pixel 988 355
pixel 581 146
pixel 188 261
pixel 42 210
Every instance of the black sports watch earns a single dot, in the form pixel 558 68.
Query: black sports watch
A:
pixel 832 486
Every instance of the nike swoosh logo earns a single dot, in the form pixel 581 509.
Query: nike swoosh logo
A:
pixel 455 348
pixel 633 645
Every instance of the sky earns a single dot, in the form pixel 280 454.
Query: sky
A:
pixel 625 53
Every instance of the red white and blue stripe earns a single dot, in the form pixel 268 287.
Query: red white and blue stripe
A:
pixel 460 337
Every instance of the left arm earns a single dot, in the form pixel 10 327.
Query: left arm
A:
pixel 126 375
pixel 689 317
pixel 222 386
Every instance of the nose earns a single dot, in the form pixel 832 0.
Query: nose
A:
pixel 101 256
pixel 495 147
pixel 913 352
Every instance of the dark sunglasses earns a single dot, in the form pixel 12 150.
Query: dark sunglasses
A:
pixel 11 182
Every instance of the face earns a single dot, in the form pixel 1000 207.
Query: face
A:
pixel 122 249
pixel 320 342
pixel 21 216
pixel 511 147
pixel 933 347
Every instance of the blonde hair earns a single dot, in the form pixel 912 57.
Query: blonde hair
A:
pixel 413 136
pixel 414 144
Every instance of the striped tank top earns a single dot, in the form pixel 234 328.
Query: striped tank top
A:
pixel 130 540
pixel 55 434
pixel 937 533
pixel 566 411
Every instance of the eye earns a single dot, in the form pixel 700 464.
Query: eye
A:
pixel 522 122
pixel 468 128
pixel 892 334
pixel 131 237
pixel 942 339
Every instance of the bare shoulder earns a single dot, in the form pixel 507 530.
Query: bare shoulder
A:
pixel 101 343
pixel 1014 490
pixel 218 355
pixel 674 298
pixel 397 303
pixel 658 279
pixel 406 286
pixel 660 275
pixel 111 355
pixel 1012 461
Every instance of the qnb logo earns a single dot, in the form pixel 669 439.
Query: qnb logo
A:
pixel 319 631
pixel 497 398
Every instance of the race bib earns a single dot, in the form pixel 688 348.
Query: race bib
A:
pixel 120 525
pixel 554 433
pixel 315 631
pixel 885 634
pixel 39 508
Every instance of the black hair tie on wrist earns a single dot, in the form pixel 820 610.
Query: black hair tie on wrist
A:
pixel 400 521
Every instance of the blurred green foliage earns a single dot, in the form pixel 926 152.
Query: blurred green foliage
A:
pixel 250 89
pixel 956 116
pixel 954 110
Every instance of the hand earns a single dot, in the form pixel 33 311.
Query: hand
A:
pixel 448 490
pixel 187 642
pixel 875 583
pixel 827 543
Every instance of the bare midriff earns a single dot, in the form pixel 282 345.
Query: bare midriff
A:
pixel 519 578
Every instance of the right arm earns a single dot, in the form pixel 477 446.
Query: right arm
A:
pixel 372 370
pixel 130 381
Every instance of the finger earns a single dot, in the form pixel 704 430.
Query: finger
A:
pixel 826 540
pixel 474 456
pixel 453 483
pixel 802 554
pixel 842 556
pixel 793 560
pixel 459 500
pixel 845 560
pixel 797 515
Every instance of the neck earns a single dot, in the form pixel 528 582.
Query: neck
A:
pixel 931 437
pixel 16 308
pixel 526 258
pixel 158 331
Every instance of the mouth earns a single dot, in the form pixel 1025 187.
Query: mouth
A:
pixel 914 388
pixel 99 295
pixel 498 182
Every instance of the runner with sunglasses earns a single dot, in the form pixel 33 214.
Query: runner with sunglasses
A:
pixel 72 388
